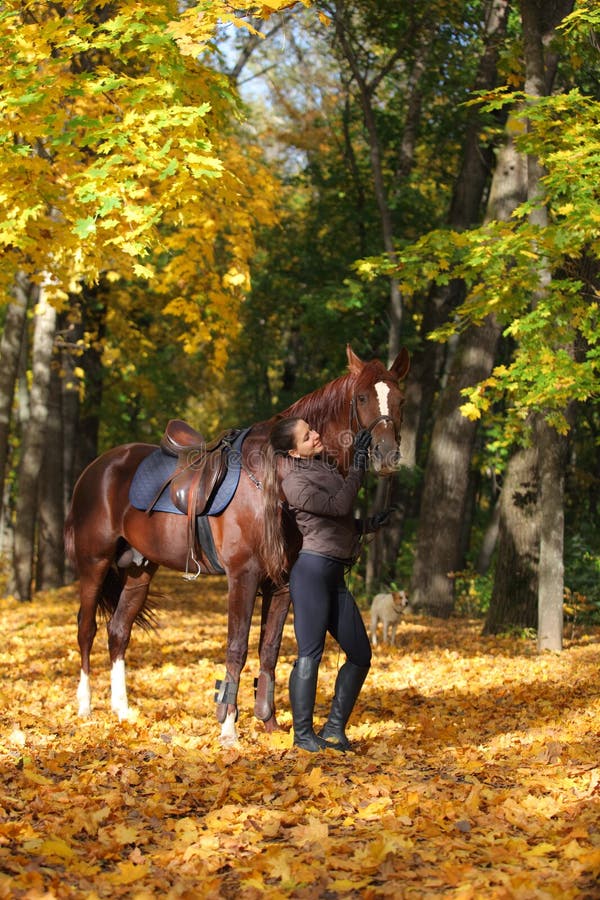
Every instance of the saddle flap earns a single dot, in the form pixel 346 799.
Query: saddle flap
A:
pixel 193 487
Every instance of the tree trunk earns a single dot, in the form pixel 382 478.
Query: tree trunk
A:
pixel 514 595
pixel 10 352
pixel 50 568
pixel 428 360
pixel 489 542
pixel 367 90
pixel 440 536
pixel 465 210
pixel 32 447
pixel 70 390
pixel 446 484
pixel 531 524
pixel 94 306
pixel 552 449
pixel 538 22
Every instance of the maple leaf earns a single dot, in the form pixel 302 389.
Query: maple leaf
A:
pixel 128 872
pixel 314 832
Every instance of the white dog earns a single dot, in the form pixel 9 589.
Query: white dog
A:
pixel 387 609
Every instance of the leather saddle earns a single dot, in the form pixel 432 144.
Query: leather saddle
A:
pixel 200 466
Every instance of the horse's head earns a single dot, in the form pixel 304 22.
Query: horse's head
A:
pixel 376 404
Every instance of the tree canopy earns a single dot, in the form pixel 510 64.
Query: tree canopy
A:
pixel 216 200
pixel 119 162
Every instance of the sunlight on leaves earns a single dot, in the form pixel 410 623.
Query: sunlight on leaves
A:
pixel 475 772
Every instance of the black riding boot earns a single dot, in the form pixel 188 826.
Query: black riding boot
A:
pixel 349 681
pixel 303 690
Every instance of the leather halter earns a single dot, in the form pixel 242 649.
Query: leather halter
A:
pixel 354 415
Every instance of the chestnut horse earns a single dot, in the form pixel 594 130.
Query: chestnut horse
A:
pixel 101 522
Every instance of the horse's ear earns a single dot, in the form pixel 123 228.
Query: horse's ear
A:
pixel 355 364
pixel 401 365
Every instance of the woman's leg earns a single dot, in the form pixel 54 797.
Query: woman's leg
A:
pixel 348 628
pixel 313 587
pixel 310 588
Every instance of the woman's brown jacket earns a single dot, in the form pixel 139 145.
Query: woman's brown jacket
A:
pixel 322 501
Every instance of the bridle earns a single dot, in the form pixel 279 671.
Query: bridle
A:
pixel 387 420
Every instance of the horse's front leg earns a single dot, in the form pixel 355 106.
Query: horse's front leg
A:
pixel 131 602
pixel 275 608
pixel 242 596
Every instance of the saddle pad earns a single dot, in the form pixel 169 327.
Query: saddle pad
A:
pixel 158 467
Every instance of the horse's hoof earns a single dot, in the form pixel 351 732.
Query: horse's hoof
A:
pixel 272 725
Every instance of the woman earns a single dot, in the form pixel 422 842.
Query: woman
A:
pixel 321 501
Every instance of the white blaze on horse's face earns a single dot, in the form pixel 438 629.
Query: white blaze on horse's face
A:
pixel 382 390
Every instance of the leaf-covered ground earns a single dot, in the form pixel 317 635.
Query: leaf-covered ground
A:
pixel 477 771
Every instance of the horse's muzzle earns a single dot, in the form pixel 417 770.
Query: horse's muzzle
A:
pixel 385 463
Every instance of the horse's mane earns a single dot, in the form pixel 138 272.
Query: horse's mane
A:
pixel 326 403
pixel 329 402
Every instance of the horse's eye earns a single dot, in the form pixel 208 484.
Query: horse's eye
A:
pixel 362 398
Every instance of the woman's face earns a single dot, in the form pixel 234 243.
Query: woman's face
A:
pixel 307 442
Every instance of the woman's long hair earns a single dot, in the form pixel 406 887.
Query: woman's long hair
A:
pixel 273 551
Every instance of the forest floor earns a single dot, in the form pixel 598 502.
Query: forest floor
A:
pixel 476 772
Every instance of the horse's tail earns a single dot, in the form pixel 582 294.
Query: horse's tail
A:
pixel 110 591
pixel 108 600
pixel 112 585
pixel 69 539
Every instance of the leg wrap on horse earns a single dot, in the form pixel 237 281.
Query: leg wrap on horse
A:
pixel 348 684
pixel 225 695
pixel 264 696
pixel 303 691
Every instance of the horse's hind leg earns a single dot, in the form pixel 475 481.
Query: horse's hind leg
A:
pixel 131 602
pixel 90 585
pixel 275 608
pixel 242 596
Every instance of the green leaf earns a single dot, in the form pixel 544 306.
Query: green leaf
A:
pixel 85 227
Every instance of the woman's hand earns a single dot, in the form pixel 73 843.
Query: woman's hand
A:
pixel 362 442
pixel 382 518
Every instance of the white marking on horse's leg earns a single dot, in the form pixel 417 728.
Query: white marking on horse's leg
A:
pixel 118 689
pixel 84 696
pixel 382 390
pixel 228 730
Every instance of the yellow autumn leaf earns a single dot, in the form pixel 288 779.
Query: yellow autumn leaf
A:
pixel 375 809
pixel 127 873
pixel 590 860
pixel 475 766
pixel 125 834
pixel 314 832
pixel 36 777
pixel 56 846
pixel 470 410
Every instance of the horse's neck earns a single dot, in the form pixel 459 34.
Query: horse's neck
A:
pixel 327 410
